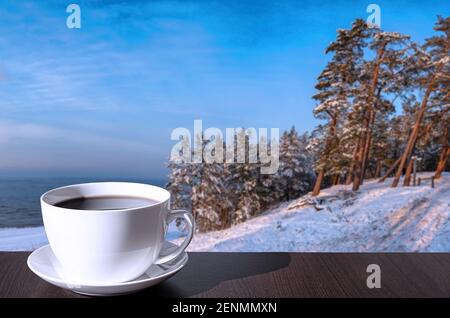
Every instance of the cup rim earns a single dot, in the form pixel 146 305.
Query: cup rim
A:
pixel 158 202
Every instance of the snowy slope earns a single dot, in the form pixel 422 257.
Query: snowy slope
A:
pixel 377 219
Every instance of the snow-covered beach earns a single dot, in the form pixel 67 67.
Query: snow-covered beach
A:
pixel 377 219
pixel 22 239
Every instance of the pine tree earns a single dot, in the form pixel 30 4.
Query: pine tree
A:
pixel 179 181
pixel 398 128
pixel 443 116
pixel 379 77
pixel 440 101
pixel 379 143
pixel 244 182
pixel 335 91
pixel 432 63
pixel 270 187
pixel 210 195
pixel 295 166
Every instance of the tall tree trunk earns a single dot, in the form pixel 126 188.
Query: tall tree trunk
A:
pixel 390 170
pixel 360 162
pixel 331 133
pixel 378 169
pixel 336 178
pixel 443 158
pixel 409 168
pixel 319 179
pixel 369 137
pixel 357 167
pixel 413 135
pixel 349 178
pixel 445 150
pixel 426 134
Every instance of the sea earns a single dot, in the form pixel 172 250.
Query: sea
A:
pixel 19 196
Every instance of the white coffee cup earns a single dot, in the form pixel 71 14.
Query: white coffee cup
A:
pixel 102 247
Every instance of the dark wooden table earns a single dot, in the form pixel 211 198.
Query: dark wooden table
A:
pixel 268 275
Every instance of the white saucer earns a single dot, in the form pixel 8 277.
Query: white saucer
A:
pixel 43 263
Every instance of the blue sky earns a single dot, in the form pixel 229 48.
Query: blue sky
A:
pixel 102 100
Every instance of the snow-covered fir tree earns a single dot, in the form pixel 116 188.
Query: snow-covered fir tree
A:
pixel 296 170
pixel 211 199
pixel 180 177
pixel 269 186
pixel 244 180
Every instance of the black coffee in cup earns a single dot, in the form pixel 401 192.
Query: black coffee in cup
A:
pixel 105 203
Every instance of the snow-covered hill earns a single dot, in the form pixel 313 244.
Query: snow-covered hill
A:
pixel 377 219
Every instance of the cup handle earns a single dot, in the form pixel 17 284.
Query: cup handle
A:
pixel 173 215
